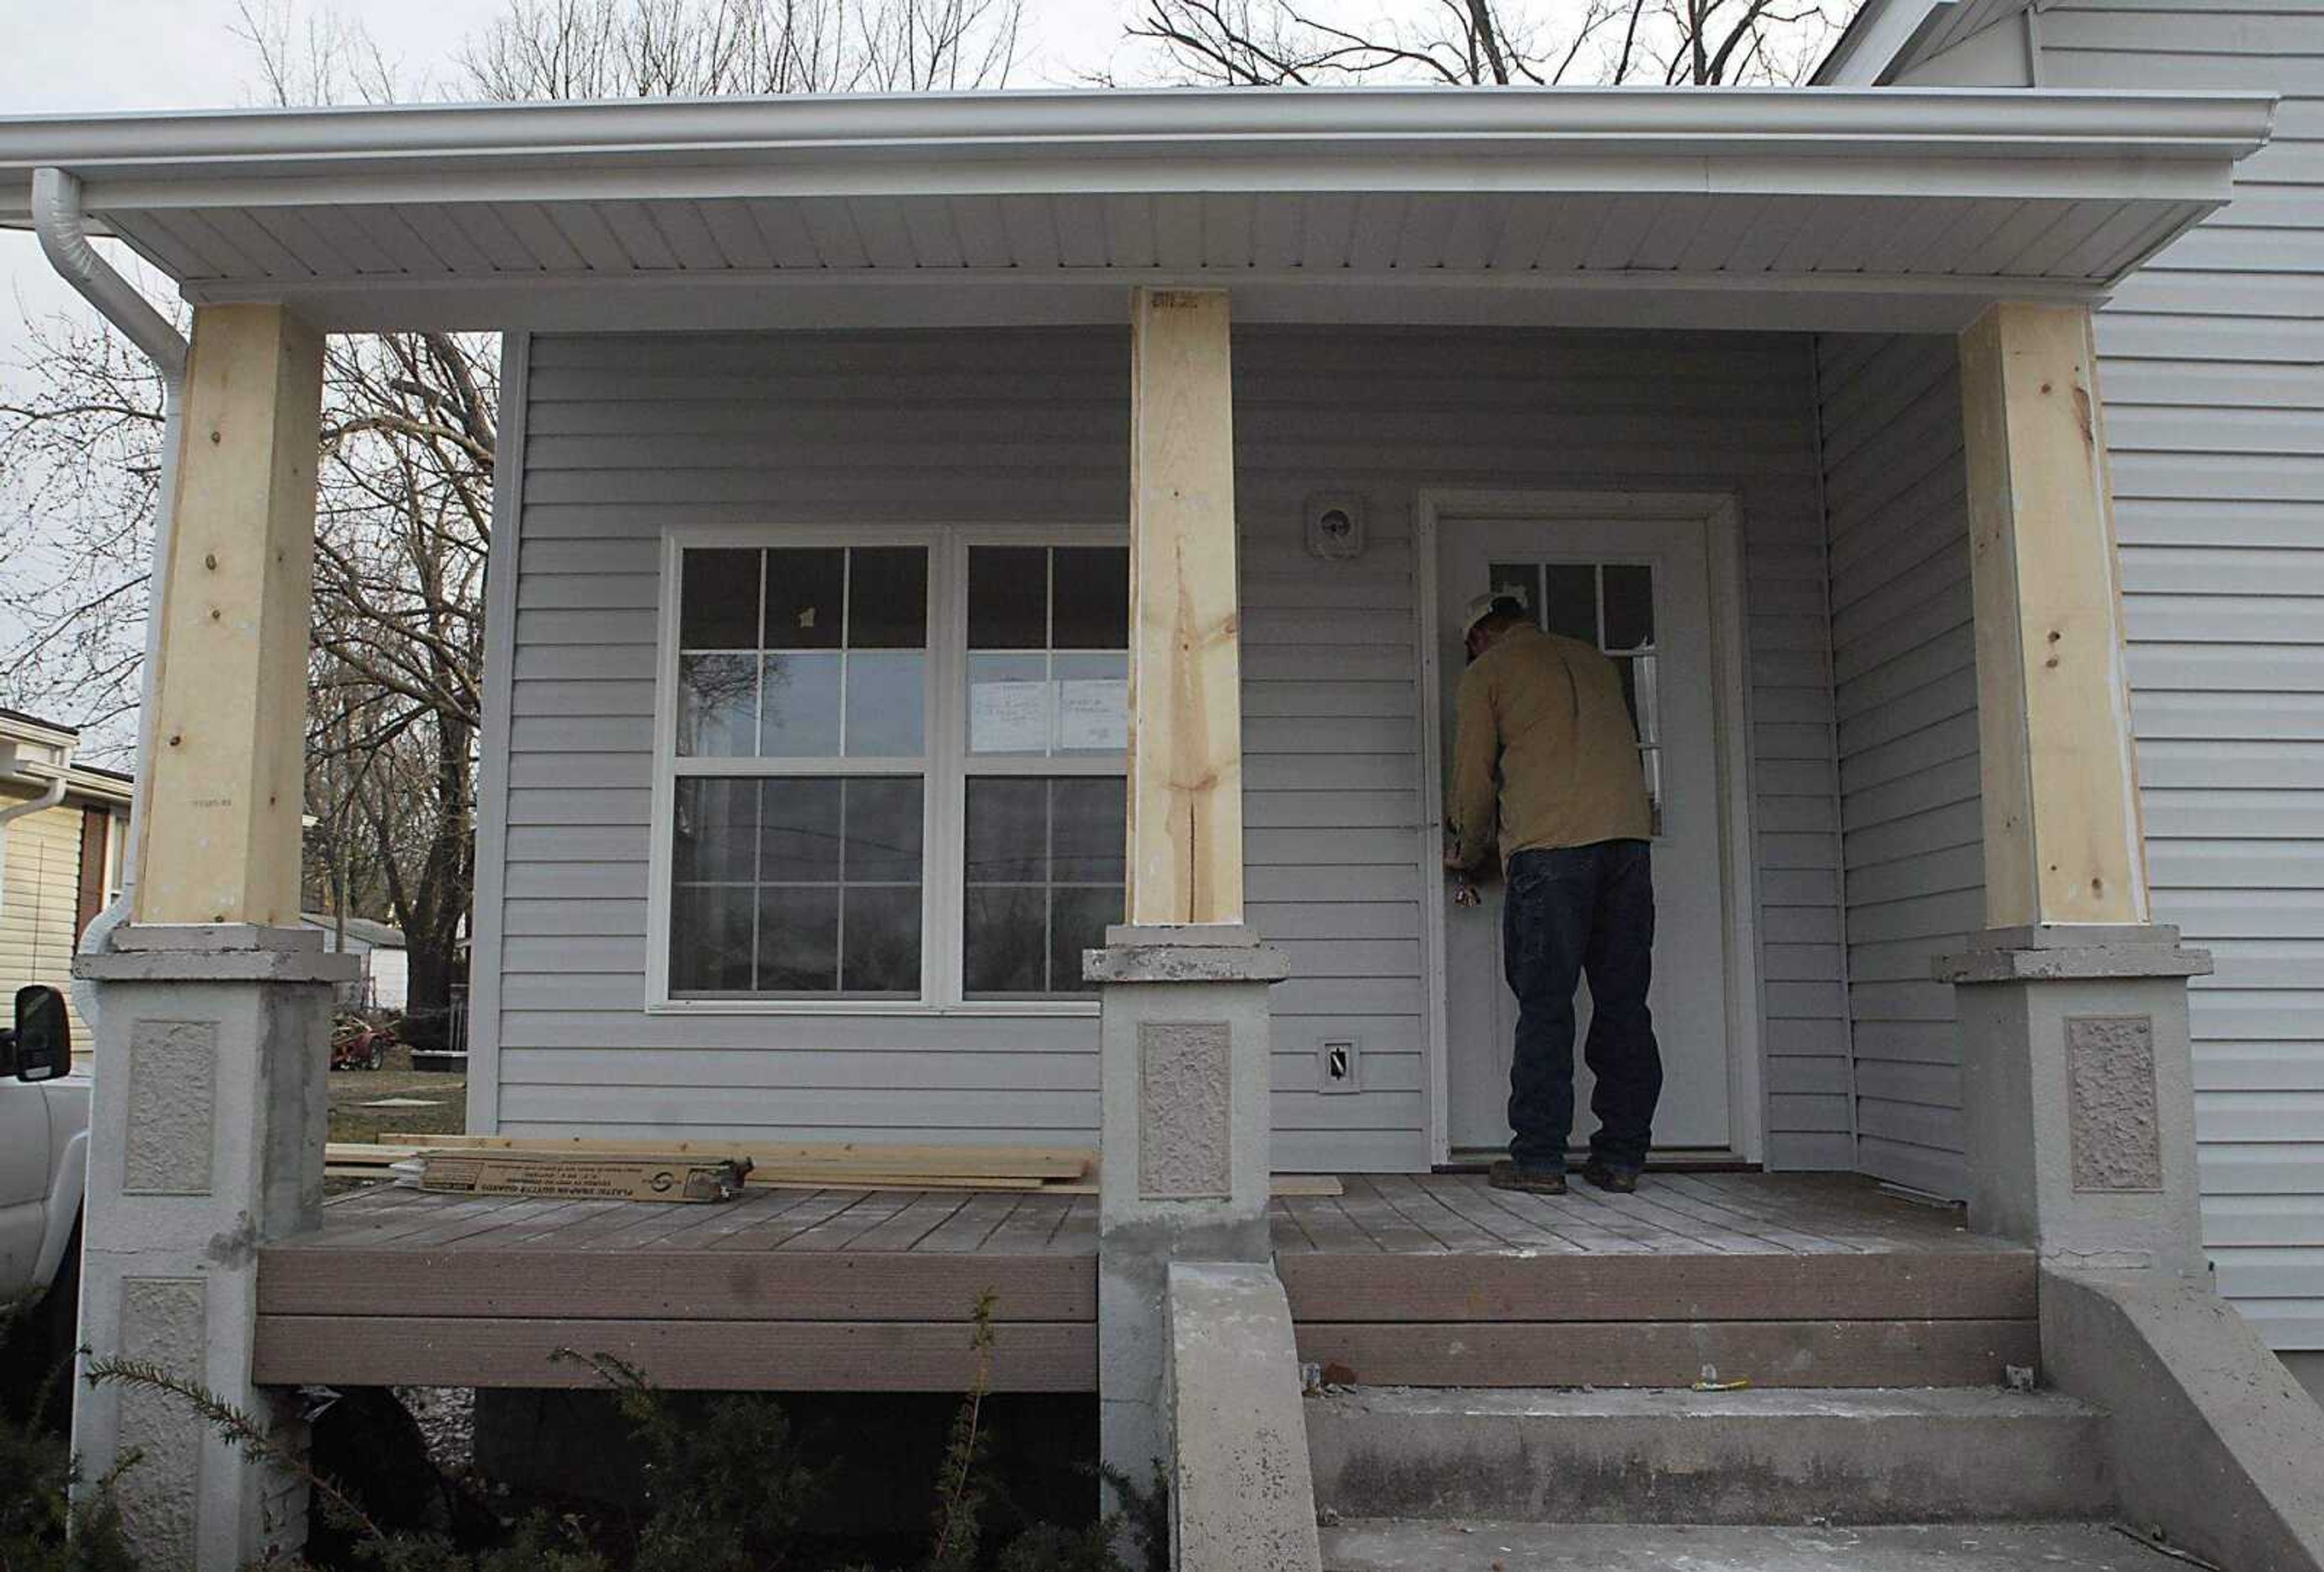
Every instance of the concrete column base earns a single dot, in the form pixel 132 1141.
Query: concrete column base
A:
pixel 206 1137
pixel 2077 1094
pixel 1184 1130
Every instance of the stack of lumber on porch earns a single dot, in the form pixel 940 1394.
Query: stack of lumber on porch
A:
pixel 799 1165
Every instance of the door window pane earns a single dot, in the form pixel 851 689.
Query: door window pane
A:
pixel 1629 605
pixel 1570 605
pixel 1517 581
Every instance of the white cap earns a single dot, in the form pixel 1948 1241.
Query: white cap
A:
pixel 1486 605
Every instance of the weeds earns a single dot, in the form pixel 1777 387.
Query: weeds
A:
pixel 41 1528
pixel 725 1490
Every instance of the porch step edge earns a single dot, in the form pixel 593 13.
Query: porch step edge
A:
pixel 1881 1456
pixel 1870 1354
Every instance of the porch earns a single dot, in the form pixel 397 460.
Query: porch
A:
pixel 1796 1281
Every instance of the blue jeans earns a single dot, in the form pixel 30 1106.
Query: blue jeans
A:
pixel 1572 913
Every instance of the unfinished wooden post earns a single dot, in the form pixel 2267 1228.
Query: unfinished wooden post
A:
pixel 1183 1030
pixel 224 791
pixel 2063 842
pixel 212 1036
pixel 1185 701
pixel 2077 1075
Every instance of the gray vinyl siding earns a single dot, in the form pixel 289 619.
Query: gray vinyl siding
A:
pixel 1904 676
pixel 2212 368
pixel 629 435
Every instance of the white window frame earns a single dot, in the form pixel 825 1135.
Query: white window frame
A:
pixel 944 765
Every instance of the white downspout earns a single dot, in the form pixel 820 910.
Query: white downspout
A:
pixel 58 219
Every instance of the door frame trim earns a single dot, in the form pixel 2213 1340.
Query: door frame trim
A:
pixel 1720 516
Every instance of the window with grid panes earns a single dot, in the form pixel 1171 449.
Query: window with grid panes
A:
pixel 815 755
pixel 803 875
pixel 1610 606
pixel 1045 690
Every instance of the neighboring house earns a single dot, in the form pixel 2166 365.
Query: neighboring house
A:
pixel 861 648
pixel 64 827
pixel 385 984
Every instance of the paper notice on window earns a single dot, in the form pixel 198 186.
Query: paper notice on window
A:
pixel 1094 713
pixel 1009 717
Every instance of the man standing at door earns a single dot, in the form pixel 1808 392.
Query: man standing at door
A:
pixel 1545 749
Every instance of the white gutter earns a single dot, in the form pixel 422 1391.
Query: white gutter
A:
pixel 406 153
pixel 64 237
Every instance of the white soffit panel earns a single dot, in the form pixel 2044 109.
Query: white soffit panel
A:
pixel 540 214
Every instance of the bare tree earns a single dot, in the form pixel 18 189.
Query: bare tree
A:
pixel 1486 43
pixel 647 48
pixel 409 433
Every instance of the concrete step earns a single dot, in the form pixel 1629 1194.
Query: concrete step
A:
pixel 1777 1456
pixel 1374 1545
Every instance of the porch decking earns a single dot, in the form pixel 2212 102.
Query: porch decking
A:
pixel 1790 1280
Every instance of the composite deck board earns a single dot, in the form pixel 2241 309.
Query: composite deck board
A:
pixel 656 1285
pixel 1788 1280
pixel 685 1355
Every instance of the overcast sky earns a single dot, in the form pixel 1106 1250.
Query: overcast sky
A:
pixel 59 57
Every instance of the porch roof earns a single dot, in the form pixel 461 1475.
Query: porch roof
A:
pixel 1818 207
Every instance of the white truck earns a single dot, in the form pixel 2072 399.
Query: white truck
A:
pixel 43 1153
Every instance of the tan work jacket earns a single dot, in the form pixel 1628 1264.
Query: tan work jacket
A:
pixel 1542 731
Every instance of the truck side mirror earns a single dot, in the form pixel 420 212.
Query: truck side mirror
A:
pixel 43 1037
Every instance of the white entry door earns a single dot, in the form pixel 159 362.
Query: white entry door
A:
pixel 1640 590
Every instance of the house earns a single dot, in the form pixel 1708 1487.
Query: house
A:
pixel 386 982
pixel 972 623
pixel 63 825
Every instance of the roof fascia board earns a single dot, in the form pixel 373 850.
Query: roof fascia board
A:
pixel 1313 123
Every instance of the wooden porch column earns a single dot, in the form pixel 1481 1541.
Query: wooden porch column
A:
pixel 1186 697
pixel 224 787
pixel 2063 842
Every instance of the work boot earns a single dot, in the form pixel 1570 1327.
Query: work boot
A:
pixel 1620 1181
pixel 1506 1175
